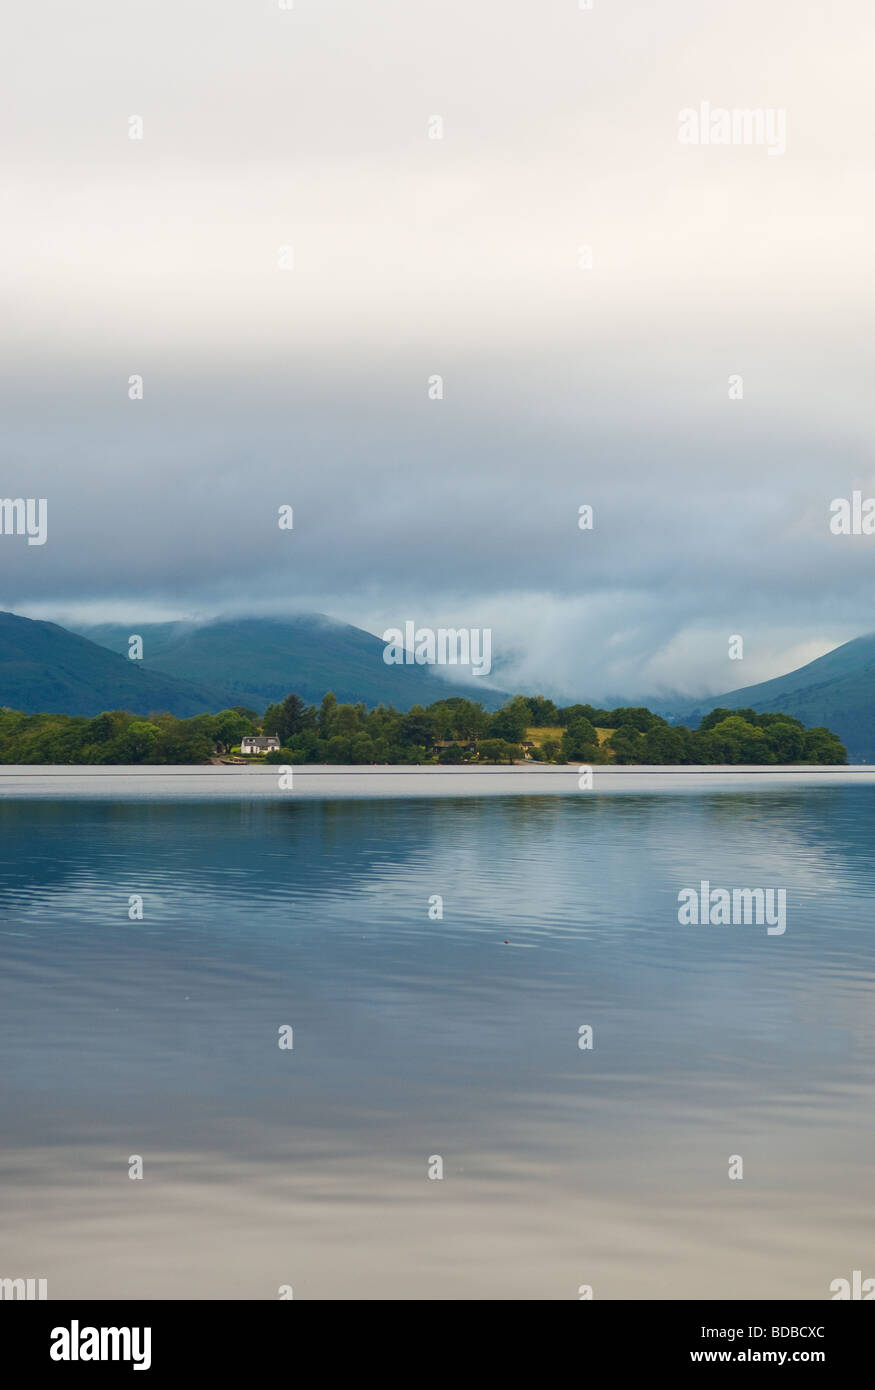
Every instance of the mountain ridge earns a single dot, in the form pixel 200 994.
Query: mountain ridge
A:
pixel 193 668
pixel 45 668
pixel 836 690
pixel 257 661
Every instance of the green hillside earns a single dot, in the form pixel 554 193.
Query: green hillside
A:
pixel 45 668
pixel 836 690
pixel 256 661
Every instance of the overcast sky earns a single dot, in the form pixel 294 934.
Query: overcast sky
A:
pixel 460 257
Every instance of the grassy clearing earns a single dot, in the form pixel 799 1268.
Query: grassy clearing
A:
pixel 539 736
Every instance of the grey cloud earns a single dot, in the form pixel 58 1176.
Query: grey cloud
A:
pixel 456 257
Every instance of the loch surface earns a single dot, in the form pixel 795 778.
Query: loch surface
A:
pixel 418 1036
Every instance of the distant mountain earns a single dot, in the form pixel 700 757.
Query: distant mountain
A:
pixel 837 690
pixel 46 669
pixel 256 661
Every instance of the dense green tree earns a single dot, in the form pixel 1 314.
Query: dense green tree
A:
pixel 543 714
pixel 362 749
pixel 337 749
pixel 287 718
pixel 455 753
pixel 229 726
pixel 596 717
pixel 138 743
pixel 626 744
pixel 352 733
pixel 326 714
pixel 822 746
pixel 347 719
pixel 709 748
pixel 417 727
pixel 784 740
pixel 500 750
pixel 184 745
pixel 104 727
pixel 635 717
pixel 715 717
pixel 746 742
pixel 469 720
pixel 580 742
pixel 764 721
pixel 306 746
pixel 511 721
pixel 663 744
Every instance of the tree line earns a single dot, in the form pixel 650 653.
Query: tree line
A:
pixel 454 730
pixel 458 730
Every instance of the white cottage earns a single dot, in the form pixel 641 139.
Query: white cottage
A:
pixel 259 745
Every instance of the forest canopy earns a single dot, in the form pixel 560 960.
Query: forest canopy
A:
pixel 455 730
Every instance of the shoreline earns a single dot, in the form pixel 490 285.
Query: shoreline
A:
pixel 350 782
pixel 423 769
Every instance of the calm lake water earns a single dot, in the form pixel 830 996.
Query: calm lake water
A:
pixel 416 1037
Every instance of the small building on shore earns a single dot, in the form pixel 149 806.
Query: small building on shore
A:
pixel 259 745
